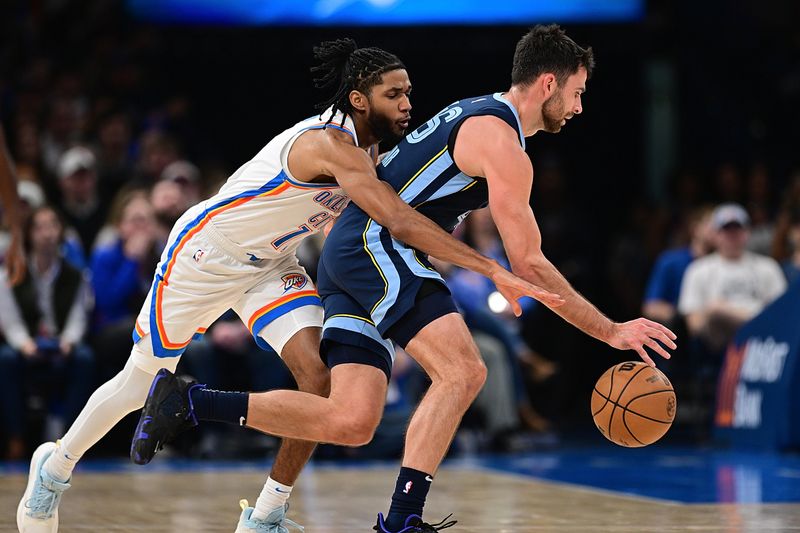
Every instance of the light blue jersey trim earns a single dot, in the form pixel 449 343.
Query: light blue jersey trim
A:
pixel 361 327
pixel 500 98
pixel 375 247
pixel 434 170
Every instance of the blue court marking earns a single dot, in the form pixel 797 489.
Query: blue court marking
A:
pixel 683 475
pixel 671 474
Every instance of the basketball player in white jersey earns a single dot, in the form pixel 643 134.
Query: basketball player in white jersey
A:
pixel 236 251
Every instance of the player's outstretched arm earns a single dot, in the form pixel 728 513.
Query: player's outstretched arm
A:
pixel 355 172
pixel 487 146
pixel 15 258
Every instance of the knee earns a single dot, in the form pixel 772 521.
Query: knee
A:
pixel 355 428
pixel 318 383
pixel 466 380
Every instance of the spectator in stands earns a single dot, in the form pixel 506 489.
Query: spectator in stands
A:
pixel 791 266
pixel 83 210
pixel 187 177
pixel 43 321
pixel 725 289
pixel 664 286
pixel 122 272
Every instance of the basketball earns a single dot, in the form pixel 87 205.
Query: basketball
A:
pixel 633 404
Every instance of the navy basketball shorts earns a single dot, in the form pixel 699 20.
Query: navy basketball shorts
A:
pixel 366 307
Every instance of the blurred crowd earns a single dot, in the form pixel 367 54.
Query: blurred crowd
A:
pixel 108 159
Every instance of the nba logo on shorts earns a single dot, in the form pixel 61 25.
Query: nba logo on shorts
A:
pixel 294 281
pixel 198 255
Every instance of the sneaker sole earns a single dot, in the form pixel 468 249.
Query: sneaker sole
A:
pixel 41 453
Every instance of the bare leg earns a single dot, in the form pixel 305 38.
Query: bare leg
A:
pixel 457 375
pixel 348 417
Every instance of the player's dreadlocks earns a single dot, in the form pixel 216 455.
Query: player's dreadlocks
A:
pixel 347 67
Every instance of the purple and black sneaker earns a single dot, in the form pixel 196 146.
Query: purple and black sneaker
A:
pixel 414 524
pixel 167 412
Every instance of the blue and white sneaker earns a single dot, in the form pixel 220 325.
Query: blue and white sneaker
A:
pixel 275 522
pixel 37 511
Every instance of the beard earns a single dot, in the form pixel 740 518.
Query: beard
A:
pixel 552 112
pixel 385 129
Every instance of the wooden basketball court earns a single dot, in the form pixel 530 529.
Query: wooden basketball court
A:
pixel 336 500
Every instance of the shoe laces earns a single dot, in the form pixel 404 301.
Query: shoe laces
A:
pixel 44 500
pixel 421 527
pixel 444 524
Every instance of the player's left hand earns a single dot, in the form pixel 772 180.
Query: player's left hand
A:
pixel 15 261
pixel 637 334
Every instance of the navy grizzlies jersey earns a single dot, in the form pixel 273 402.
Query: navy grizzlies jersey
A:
pixel 421 167
pixel 366 273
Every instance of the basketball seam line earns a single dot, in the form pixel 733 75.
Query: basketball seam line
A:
pixel 626 408
pixel 611 418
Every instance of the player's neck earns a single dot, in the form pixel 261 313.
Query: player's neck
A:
pixel 528 109
pixel 366 137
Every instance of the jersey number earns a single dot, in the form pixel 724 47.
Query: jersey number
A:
pixel 419 134
pixel 315 221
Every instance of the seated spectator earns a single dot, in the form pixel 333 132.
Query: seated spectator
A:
pixel 791 265
pixel 122 272
pixel 43 321
pixel 725 289
pixel 664 286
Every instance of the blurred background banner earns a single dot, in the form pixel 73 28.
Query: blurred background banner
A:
pixel 383 12
pixel 758 403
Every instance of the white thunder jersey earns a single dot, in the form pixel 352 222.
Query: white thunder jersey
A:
pixel 236 251
pixel 267 212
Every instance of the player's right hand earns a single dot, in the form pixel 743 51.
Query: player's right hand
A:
pixel 637 334
pixel 513 288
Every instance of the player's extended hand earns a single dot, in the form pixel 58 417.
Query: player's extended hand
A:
pixel 637 334
pixel 513 288
pixel 15 261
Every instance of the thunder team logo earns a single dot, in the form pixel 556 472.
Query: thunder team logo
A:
pixel 294 281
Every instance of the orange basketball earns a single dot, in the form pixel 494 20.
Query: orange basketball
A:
pixel 633 404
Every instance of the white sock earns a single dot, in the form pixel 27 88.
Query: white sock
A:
pixel 272 496
pixel 60 464
pixel 109 404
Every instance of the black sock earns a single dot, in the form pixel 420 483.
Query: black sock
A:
pixel 408 498
pixel 219 406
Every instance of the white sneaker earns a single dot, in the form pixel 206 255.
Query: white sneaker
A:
pixel 37 511
pixel 273 523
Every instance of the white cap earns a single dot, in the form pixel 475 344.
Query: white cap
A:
pixel 30 193
pixel 181 171
pixel 75 159
pixel 726 214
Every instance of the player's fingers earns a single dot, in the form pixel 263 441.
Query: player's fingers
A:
pixel 661 336
pixel 515 307
pixel 643 354
pixel 653 345
pixel 661 327
pixel 548 298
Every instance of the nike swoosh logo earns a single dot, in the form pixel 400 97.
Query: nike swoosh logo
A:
pixel 429 479
pixel 282 491
pixel 241 420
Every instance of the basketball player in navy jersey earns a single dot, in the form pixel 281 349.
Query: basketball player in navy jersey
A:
pixel 376 288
